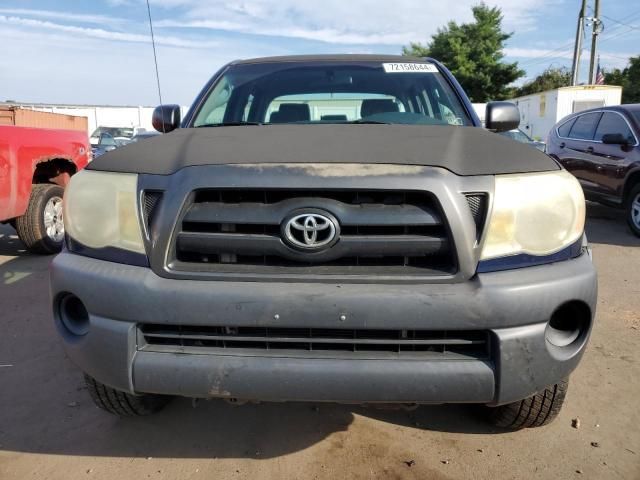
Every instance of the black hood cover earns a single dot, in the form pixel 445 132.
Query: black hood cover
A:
pixel 462 150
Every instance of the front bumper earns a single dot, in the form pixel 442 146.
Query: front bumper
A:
pixel 514 306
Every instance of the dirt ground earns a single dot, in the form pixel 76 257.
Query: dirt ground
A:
pixel 49 428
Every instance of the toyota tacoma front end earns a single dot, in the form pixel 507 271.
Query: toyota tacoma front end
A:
pixel 327 229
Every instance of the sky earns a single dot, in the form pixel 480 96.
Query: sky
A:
pixel 99 51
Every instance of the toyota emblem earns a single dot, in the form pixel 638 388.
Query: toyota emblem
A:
pixel 310 230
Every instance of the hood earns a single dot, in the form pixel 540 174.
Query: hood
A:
pixel 462 150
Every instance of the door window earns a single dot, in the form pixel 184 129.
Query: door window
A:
pixel 565 128
pixel 612 123
pixel 584 126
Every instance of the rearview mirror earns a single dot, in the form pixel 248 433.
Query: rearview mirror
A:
pixel 166 118
pixel 501 116
pixel 614 139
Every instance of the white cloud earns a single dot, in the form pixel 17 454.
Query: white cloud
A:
pixel 67 16
pixel 327 35
pixel 104 34
pixel 537 53
pixel 61 69
pixel 341 22
pixel 77 57
pixel 540 57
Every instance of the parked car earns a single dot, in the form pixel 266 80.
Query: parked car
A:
pixel 266 252
pixel 519 136
pixel 118 133
pixel 144 136
pixel 106 143
pixel 600 147
pixel 35 167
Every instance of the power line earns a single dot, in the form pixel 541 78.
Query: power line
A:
pixel 616 56
pixel 533 61
pixel 561 51
pixel 565 50
pixel 618 35
pixel 155 57
pixel 621 23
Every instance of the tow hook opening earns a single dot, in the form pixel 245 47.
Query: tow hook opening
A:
pixel 73 315
pixel 568 325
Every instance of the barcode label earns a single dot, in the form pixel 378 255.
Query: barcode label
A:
pixel 410 67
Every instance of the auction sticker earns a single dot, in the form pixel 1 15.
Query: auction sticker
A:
pixel 410 67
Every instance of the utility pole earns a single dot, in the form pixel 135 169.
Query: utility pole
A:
pixel 596 29
pixel 577 49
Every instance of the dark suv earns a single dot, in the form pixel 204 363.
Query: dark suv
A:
pixel 327 228
pixel 601 148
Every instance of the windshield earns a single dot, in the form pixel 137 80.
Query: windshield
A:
pixel 142 136
pixel 331 92
pixel 114 132
pixel 518 135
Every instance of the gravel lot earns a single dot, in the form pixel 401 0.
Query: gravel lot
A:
pixel 50 429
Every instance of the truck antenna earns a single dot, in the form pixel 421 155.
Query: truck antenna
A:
pixel 155 57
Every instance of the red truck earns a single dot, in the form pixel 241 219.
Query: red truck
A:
pixel 35 166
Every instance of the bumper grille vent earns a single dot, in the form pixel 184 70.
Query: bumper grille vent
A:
pixel 438 343
pixel 478 206
pixel 151 201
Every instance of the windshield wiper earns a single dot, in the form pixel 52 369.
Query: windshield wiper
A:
pixel 370 122
pixel 228 124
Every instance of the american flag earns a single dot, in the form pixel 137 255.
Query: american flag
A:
pixel 599 75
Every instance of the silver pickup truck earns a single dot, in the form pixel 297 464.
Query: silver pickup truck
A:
pixel 327 228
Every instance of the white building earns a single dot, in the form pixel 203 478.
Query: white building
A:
pixel 541 111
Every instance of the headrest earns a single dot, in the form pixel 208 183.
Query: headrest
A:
pixel 334 118
pixel 378 105
pixel 291 112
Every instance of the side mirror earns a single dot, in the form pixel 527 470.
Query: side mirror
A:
pixel 166 118
pixel 614 139
pixel 501 116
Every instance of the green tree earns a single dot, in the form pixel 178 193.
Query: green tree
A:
pixel 474 53
pixel 550 79
pixel 628 79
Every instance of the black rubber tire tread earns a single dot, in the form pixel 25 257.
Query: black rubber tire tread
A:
pixel 121 403
pixel 536 411
pixel 30 226
pixel 635 190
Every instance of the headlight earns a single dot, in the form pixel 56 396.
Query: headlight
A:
pixel 100 210
pixel 535 214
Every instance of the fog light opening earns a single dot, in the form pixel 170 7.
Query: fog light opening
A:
pixel 568 324
pixel 74 315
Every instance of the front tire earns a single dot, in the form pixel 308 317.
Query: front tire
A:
pixel 633 210
pixel 41 228
pixel 123 404
pixel 535 411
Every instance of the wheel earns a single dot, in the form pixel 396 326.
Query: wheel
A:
pixel 121 403
pixel 536 411
pixel 633 210
pixel 41 228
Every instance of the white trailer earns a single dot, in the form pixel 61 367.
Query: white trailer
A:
pixel 541 111
pixel 100 115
